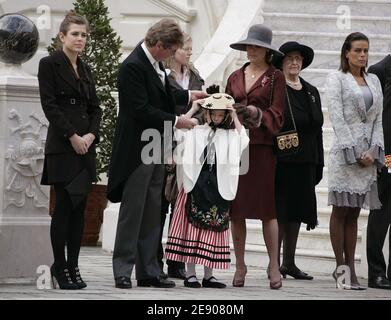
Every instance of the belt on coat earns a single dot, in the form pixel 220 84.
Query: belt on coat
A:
pixel 74 101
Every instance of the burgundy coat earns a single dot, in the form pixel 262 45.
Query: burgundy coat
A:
pixel 259 95
pixel 255 197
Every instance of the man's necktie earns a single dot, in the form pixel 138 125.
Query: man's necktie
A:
pixel 159 72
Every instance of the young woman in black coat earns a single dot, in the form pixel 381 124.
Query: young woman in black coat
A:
pixel 70 104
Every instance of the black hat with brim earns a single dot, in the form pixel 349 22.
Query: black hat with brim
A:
pixel 290 46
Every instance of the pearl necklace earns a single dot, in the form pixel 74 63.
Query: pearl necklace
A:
pixel 296 84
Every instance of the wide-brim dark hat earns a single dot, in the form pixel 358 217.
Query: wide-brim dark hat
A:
pixel 305 51
pixel 258 35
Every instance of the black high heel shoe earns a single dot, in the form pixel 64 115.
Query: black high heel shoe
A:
pixel 62 278
pixel 295 273
pixel 74 273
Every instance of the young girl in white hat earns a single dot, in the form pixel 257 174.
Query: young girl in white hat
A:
pixel 208 160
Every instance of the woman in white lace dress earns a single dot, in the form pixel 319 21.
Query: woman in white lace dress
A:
pixel 354 99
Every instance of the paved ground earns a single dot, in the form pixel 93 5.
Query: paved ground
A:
pixel 95 266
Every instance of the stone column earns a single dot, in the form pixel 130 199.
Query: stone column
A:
pixel 24 203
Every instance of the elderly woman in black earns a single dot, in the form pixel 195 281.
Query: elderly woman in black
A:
pixel 297 174
pixel 70 104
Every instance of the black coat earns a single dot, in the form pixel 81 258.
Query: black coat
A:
pixel 310 137
pixel 195 83
pixel 71 106
pixel 144 103
pixel 383 71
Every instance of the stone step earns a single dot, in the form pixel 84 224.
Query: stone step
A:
pixel 326 22
pixel 324 59
pixel 329 59
pixel 321 196
pixel 316 76
pixel 308 260
pixel 313 249
pixel 326 153
pixel 326 118
pixel 324 181
pixel 325 212
pixel 333 41
pixel 324 216
pixel 322 192
pixel 328 136
pixel 317 239
pixel 357 7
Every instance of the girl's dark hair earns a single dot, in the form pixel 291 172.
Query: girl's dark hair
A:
pixel 225 124
pixel 347 45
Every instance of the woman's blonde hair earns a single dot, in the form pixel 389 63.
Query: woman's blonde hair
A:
pixel 168 63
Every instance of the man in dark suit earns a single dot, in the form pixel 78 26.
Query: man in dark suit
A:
pixel 379 220
pixel 145 103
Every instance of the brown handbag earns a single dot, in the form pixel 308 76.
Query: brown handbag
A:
pixel 286 143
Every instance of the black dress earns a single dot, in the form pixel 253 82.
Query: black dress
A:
pixel 298 174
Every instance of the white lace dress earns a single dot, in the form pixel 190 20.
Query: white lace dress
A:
pixel 356 130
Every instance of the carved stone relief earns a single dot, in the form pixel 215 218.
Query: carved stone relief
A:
pixel 24 162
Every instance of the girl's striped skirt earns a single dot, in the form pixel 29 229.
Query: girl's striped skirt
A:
pixel 189 244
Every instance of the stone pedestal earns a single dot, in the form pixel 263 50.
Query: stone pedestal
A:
pixel 24 203
pixel 109 227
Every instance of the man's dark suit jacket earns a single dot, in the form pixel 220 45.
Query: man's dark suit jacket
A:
pixel 144 103
pixel 383 71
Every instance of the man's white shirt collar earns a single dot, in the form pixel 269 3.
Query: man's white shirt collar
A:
pixel 151 59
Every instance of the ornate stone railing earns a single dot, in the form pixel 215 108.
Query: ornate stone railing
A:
pixel 217 55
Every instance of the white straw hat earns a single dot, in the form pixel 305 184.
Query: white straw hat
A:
pixel 218 101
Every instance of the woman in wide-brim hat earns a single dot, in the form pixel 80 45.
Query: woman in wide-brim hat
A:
pixel 298 174
pixel 261 88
